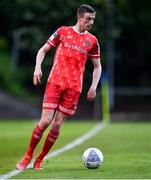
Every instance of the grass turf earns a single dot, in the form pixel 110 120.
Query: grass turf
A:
pixel 126 148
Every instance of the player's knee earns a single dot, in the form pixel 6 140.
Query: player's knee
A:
pixel 57 125
pixel 45 122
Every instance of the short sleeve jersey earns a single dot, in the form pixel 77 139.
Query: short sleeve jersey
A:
pixel 72 52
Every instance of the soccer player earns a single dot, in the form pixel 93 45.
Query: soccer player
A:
pixel 74 44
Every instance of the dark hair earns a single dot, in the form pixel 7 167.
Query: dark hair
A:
pixel 85 8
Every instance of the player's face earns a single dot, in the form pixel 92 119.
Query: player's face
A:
pixel 86 20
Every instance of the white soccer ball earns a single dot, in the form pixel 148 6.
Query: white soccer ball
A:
pixel 92 158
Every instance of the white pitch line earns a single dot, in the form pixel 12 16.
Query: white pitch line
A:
pixel 65 148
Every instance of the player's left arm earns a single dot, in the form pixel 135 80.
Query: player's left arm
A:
pixel 96 77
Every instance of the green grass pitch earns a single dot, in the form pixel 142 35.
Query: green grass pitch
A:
pixel 126 148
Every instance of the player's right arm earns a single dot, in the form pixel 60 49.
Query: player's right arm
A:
pixel 39 59
pixel 53 41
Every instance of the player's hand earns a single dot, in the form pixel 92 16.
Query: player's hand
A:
pixel 37 76
pixel 91 94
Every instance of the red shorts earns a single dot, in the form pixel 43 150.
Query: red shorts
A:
pixel 63 99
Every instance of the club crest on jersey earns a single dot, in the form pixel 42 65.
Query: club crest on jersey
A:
pixel 87 42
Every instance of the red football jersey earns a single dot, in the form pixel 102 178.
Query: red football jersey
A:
pixel 73 49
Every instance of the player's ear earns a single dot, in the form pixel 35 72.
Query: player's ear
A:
pixel 78 17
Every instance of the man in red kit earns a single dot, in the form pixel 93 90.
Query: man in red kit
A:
pixel 74 44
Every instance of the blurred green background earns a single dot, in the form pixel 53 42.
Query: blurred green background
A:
pixel 123 30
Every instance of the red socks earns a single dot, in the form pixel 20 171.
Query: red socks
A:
pixel 49 142
pixel 35 138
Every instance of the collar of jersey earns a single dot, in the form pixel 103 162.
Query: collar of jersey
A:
pixel 74 28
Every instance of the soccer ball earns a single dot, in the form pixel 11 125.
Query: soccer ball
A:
pixel 92 158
